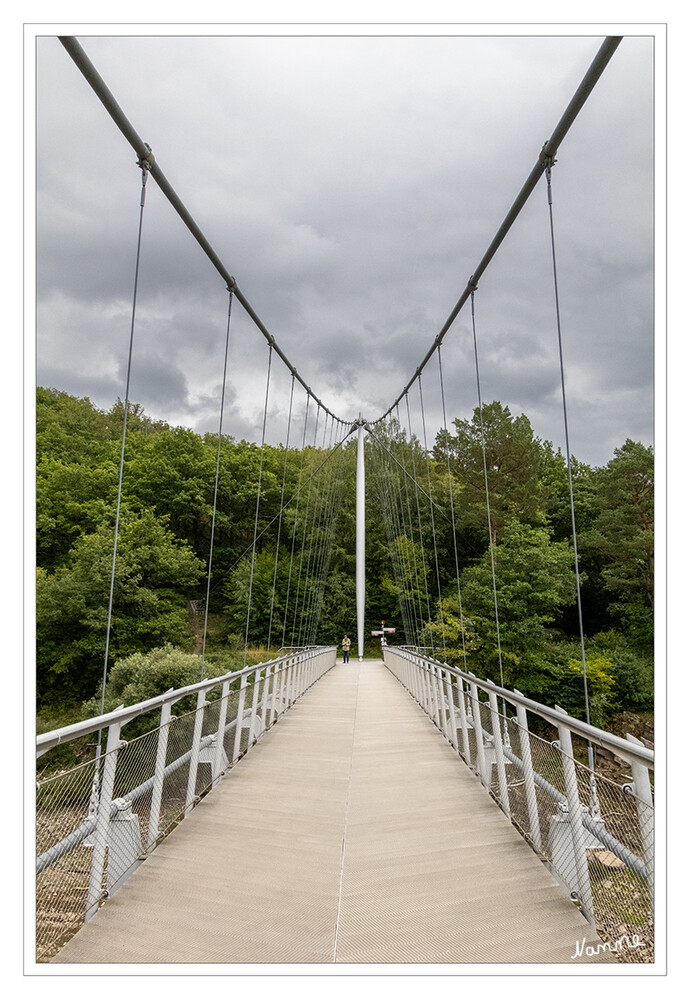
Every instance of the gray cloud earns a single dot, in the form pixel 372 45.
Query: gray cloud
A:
pixel 351 185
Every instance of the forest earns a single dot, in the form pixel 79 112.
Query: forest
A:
pixel 283 569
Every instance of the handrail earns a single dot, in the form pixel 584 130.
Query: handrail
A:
pixel 172 766
pixel 613 743
pixel 123 715
pixel 583 824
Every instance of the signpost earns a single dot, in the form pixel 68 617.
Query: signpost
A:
pixel 383 632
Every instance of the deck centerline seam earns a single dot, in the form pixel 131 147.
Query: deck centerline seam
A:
pixel 347 812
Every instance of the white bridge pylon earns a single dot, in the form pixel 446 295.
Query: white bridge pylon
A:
pixel 359 547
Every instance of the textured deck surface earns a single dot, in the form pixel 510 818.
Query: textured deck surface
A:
pixel 351 833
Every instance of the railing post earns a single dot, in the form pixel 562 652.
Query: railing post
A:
pixel 284 693
pixel 645 814
pixel 406 672
pixel 572 794
pixel 277 681
pixel 443 703
pixel 498 753
pixel 297 691
pixel 239 724
pixel 433 699
pixel 194 758
pixel 463 719
pixel 452 724
pixel 264 697
pixel 428 690
pixel 291 682
pixel 416 680
pixel 218 762
pixel 479 735
pixel 255 701
pixel 159 775
pixel 528 773
pixel 100 842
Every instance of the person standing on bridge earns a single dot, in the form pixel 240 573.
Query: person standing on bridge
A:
pixel 346 643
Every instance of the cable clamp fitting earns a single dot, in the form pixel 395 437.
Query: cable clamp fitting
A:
pixel 146 162
pixel 547 159
pixel 472 284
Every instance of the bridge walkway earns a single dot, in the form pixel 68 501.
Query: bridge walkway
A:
pixel 351 833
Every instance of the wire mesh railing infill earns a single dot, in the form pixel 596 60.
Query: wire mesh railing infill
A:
pixel 98 821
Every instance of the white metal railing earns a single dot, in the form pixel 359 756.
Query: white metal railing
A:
pixel 594 828
pixel 97 821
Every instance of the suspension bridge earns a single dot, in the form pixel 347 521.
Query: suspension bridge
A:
pixel 305 810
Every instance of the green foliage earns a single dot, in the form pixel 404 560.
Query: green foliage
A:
pixel 534 578
pixel 623 533
pixel 165 536
pixel 633 670
pixel 600 684
pixel 152 574
pixel 144 675
pixel 513 464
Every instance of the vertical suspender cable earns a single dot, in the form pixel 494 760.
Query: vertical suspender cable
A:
pixel 418 616
pixel 419 521
pixel 452 509
pixel 384 478
pixel 486 486
pixel 567 451
pixel 280 515
pixel 402 549
pixel 315 545
pixel 294 529
pixel 215 487
pixel 310 488
pixel 144 174
pixel 431 509
pixel 310 570
pixel 258 501
pixel 325 539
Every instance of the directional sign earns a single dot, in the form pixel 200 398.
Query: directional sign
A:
pixel 383 629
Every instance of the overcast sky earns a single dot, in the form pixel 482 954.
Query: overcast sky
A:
pixel 351 185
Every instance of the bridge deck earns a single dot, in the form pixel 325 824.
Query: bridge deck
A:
pixel 351 833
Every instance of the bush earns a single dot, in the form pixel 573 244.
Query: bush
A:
pixel 147 674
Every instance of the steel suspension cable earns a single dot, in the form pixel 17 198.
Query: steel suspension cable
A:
pixel 328 529
pixel 416 604
pixel 280 513
pixel 546 155
pixel 325 545
pixel 324 497
pixel 294 529
pixel 327 522
pixel 295 496
pixel 215 485
pixel 305 622
pixel 142 201
pixel 384 480
pixel 452 508
pixel 486 486
pixel 258 501
pixel 419 521
pixel 145 154
pixel 431 509
pixel 400 532
pixel 568 456
pixel 304 538
pixel 439 510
